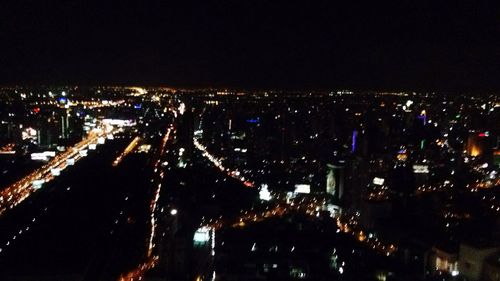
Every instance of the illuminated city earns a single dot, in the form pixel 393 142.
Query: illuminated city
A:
pixel 260 140
pixel 177 168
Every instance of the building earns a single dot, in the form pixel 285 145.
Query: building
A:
pixel 478 143
pixel 335 181
pixel 472 260
pixel 444 260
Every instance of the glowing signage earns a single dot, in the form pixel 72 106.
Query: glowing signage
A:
pixel 303 188
pixel 253 120
pixel 50 153
pixel 202 236
pixel 118 122
pixel 354 137
pixel 43 156
pixel 378 181
pixel 39 157
pixel 331 184
pixel 421 169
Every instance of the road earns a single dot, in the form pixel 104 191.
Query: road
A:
pixel 90 223
pixel 17 192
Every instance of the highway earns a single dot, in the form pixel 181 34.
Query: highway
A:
pixel 130 147
pixel 235 174
pixel 151 259
pixel 80 224
pixel 13 195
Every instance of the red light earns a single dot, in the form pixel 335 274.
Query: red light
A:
pixel 483 135
pixel 36 109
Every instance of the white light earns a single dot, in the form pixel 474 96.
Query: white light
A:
pixel 302 188
pixel 264 193
pixel 37 184
pixel 378 181
pixel 182 108
pixel 202 235
pixel 173 212
pixel 420 169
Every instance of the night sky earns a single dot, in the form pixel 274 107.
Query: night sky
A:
pixel 404 45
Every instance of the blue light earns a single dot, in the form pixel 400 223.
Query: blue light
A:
pixel 254 120
pixel 423 118
pixel 354 137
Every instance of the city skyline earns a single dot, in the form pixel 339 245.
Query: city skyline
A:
pixel 249 140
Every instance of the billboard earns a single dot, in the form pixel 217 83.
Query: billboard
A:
pixel 201 236
pixel 303 188
pixel 421 169
pixel 335 181
pixel 378 181
pixel 43 156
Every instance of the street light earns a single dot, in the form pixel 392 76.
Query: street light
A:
pixel 173 212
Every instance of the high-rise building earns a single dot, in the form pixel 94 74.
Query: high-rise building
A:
pixel 64 125
pixel 335 182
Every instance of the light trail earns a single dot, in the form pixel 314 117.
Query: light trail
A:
pixel 22 231
pixel 138 272
pixel 152 260
pixel 14 194
pixel 235 174
pixel 130 147
pixel 351 227
pixel 154 202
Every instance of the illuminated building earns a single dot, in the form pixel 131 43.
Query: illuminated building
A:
pixel 402 155
pixel 353 142
pixel 64 125
pixel 335 181
pixel 444 261
pixel 477 143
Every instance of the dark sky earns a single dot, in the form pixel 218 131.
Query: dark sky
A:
pixel 415 45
